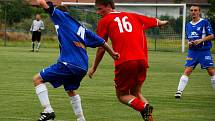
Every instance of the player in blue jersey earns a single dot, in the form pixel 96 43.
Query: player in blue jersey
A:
pixel 199 35
pixel 72 64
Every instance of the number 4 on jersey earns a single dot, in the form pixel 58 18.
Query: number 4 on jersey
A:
pixel 123 24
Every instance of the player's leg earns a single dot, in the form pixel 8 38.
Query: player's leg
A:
pixel 206 61
pixel 191 62
pixel 42 93
pixel 141 76
pixel 125 79
pixel 137 91
pixel 53 74
pixel 183 81
pixel 147 112
pixel 75 101
pixel 72 83
pixel 38 41
pixel 211 72
pixel 33 40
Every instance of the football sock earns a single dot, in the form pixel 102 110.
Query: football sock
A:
pixel 137 104
pixel 213 81
pixel 33 45
pixel 42 94
pixel 77 108
pixel 38 46
pixel 183 82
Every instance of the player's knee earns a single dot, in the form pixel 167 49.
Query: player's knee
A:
pixel 211 71
pixel 71 93
pixel 120 95
pixel 37 80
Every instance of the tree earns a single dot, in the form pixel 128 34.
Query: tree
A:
pixel 16 10
pixel 211 14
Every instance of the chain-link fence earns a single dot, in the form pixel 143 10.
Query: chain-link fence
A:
pixel 168 38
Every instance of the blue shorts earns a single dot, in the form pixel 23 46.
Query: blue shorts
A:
pixel 67 75
pixel 203 57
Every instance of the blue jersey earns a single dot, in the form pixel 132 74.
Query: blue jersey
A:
pixel 198 30
pixel 73 39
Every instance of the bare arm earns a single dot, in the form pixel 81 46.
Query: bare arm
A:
pixel 162 23
pixel 207 38
pixel 99 55
pixel 111 52
pixel 43 4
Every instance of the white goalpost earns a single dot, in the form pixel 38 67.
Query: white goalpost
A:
pixel 144 5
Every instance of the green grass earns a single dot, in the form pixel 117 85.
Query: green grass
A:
pixel 18 101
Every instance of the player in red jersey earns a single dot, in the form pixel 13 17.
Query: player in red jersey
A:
pixel 126 31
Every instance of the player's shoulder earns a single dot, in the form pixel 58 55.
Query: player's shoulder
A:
pixel 201 20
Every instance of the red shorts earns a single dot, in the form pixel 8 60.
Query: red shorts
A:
pixel 129 75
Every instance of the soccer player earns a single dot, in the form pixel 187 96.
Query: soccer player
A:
pixel 36 28
pixel 126 31
pixel 72 64
pixel 199 35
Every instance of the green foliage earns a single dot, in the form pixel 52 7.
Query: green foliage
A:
pixel 211 13
pixel 175 26
pixel 16 10
pixel 178 1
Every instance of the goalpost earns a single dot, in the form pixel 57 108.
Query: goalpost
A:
pixel 124 5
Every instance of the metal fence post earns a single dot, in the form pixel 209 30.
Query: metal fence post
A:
pixel 5 26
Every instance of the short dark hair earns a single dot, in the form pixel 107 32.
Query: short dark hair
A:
pixel 106 3
pixel 196 5
pixel 63 8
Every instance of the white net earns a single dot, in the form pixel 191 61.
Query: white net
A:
pixel 170 38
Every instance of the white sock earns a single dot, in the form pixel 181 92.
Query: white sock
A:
pixel 38 46
pixel 183 82
pixel 42 94
pixel 33 44
pixel 213 81
pixel 77 108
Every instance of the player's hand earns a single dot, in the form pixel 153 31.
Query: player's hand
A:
pixel 115 56
pixel 196 42
pixel 91 71
pixel 190 43
pixel 161 24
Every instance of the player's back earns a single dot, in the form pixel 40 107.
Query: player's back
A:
pixel 126 31
pixel 73 39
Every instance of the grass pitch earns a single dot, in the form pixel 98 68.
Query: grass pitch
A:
pixel 18 101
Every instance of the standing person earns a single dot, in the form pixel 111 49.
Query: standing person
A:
pixel 199 34
pixel 126 31
pixel 36 28
pixel 72 64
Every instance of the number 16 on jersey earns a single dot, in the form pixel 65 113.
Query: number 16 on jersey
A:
pixel 123 24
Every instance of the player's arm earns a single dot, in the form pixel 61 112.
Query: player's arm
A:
pixel 42 27
pixel 209 31
pixel 207 38
pixel 99 55
pixel 150 22
pixel 102 32
pixel 162 23
pixel 43 4
pixel 111 52
pixel 31 29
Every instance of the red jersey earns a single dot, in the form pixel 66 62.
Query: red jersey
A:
pixel 126 31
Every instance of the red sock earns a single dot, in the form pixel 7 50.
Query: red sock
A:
pixel 137 105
